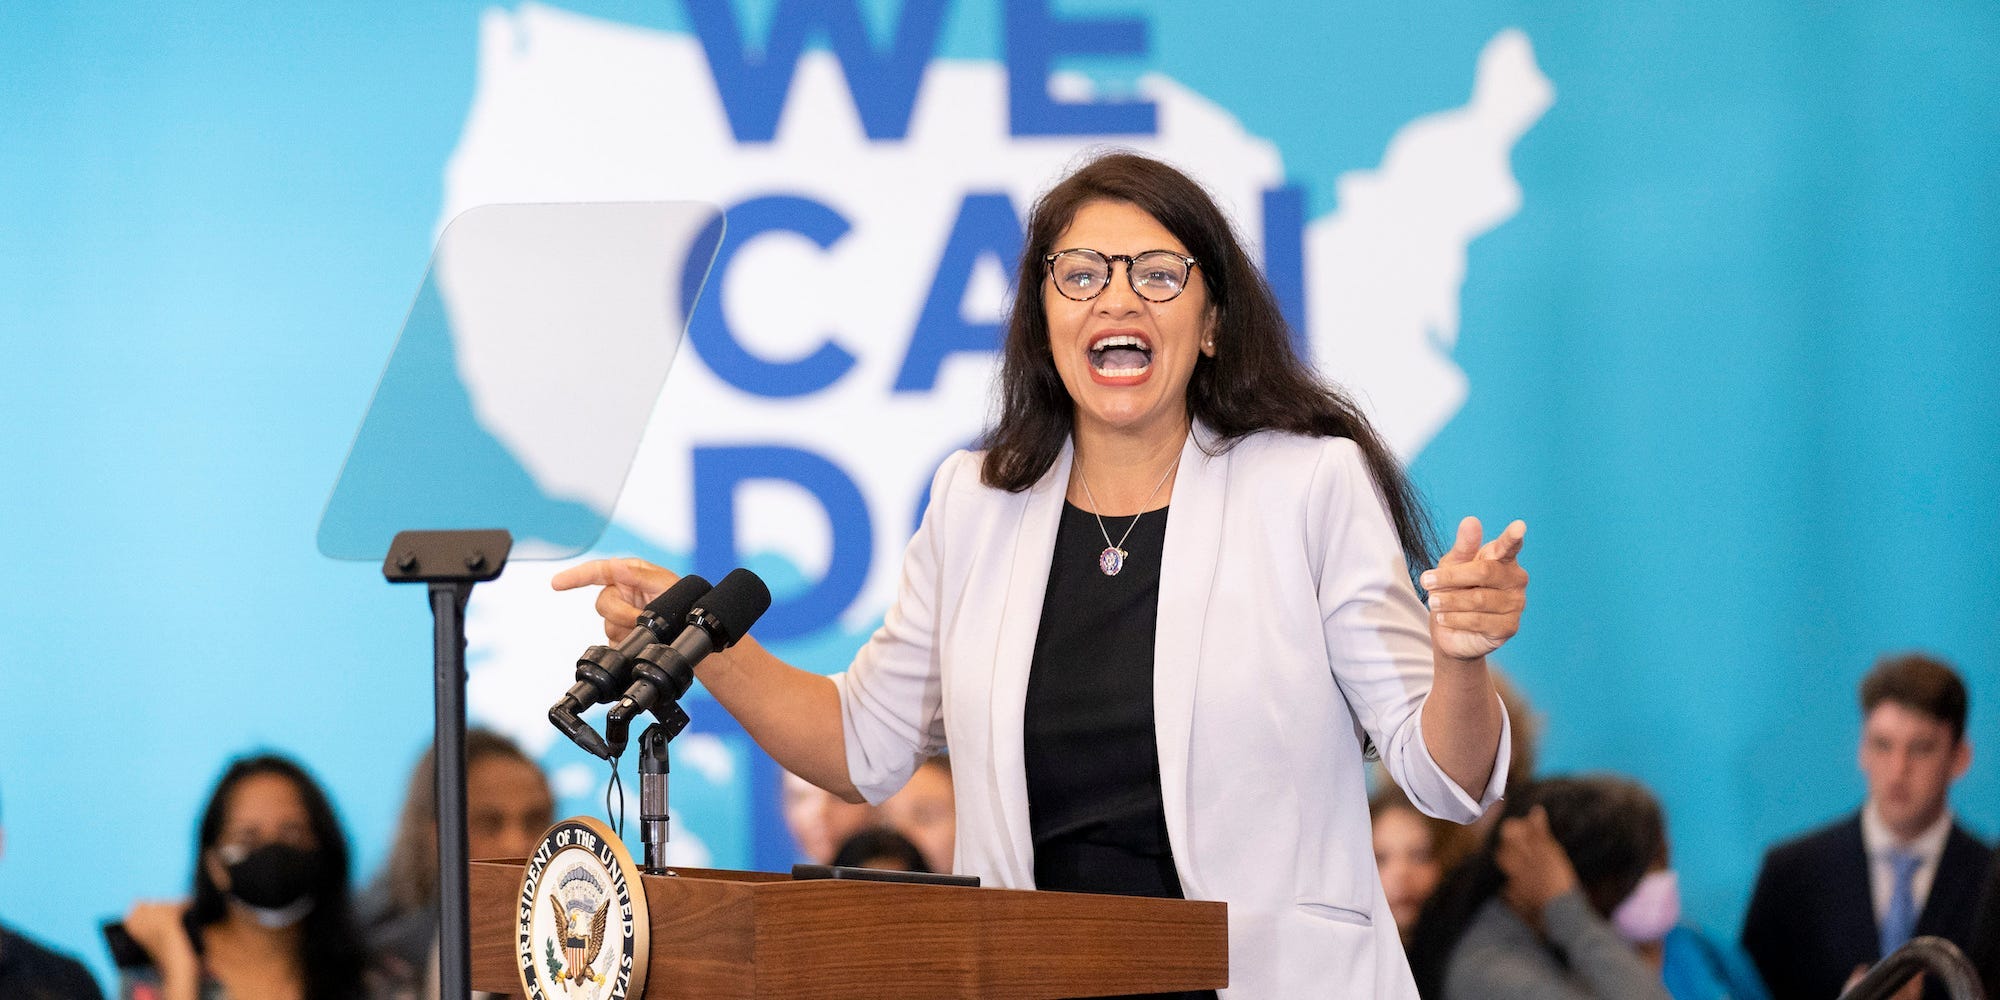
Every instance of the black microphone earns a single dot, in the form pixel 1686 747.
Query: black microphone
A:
pixel 662 672
pixel 604 672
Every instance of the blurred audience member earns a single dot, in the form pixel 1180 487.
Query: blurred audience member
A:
pixel 1695 966
pixel 1405 854
pixel 1569 899
pixel 1985 951
pixel 1455 843
pixel 821 821
pixel 29 971
pixel 1834 901
pixel 925 812
pixel 270 915
pixel 507 808
pixel 878 847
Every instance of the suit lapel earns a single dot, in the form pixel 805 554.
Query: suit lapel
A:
pixel 1854 905
pixel 1954 889
pixel 1014 651
pixel 1187 570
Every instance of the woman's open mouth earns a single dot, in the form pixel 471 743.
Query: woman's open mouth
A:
pixel 1119 357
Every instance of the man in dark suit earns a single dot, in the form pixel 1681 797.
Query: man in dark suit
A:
pixel 1985 951
pixel 1836 900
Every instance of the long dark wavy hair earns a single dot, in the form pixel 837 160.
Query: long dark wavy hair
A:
pixel 1255 381
pixel 1611 828
pixel 409 879
pixel 334 955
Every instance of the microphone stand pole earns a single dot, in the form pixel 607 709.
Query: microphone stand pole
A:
pixel 450 562
pixel 653 785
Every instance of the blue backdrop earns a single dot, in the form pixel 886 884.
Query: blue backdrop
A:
pixel 1731 352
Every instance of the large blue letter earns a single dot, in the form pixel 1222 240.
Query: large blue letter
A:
pixel 1285 258
pixel 718 472
pixel 709 330
pixel 987 226
pixel 753 88
pixel 1034 39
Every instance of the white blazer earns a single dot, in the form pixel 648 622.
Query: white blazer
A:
pixel 1288 628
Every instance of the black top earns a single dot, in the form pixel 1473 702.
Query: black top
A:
pixel 29 971
pixel 1092 757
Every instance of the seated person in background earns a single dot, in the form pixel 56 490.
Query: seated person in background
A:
pixel 881 848
pixel 925 813
pixel 1697 967
pixel 1405 854
pixel 270 916
pixel 821 821
pixel 29 971
pixel 1569 900
pixel 507 807
pixel 1834 901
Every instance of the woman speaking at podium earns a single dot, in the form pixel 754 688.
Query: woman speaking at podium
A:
pixel 1162 616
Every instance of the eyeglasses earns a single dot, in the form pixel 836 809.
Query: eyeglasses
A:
pixel 1156 275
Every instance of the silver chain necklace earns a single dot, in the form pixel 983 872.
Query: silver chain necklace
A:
pixel 1112 559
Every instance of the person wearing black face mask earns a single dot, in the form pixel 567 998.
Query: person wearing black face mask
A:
pixel 270 915
pixel 273 882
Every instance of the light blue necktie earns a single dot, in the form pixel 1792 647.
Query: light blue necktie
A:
pixel 1901 920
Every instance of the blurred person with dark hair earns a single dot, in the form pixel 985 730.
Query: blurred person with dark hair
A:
pixel 819 820
pixel 923 812
pixel 880 847
pixel 1569 900
pixel 270 917
pixel 507 807
pixel 31 971
pixel 1831 903
pixel 1406 843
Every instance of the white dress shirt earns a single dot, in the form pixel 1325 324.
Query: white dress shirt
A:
pixel 1878 841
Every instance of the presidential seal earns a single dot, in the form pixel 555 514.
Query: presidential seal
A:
pixel 581 926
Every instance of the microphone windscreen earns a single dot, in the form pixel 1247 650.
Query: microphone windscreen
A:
pixel 669 613
pixel 735 604
pixel 679 599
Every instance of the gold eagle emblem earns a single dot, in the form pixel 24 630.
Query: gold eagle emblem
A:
pixel 581 946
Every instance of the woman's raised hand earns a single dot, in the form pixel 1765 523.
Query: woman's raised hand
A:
pixel 629 584
pixel 1477 592
pixel 157 927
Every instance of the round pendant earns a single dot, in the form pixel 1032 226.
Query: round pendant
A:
pixel 1111 560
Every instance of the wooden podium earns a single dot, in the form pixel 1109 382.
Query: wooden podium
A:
pixel 722 935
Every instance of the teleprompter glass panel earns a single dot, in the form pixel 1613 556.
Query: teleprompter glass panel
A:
pixel 525 375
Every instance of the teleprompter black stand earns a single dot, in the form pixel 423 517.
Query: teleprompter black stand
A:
pixel 451 562
pixel 493 362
